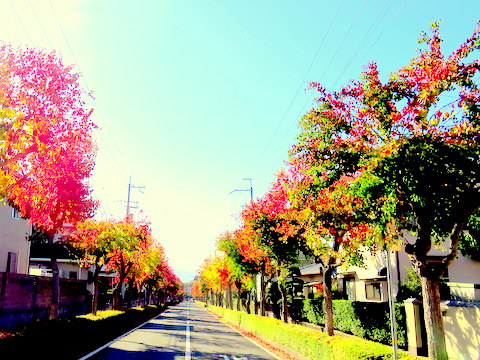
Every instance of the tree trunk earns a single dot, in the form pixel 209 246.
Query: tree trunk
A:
pixel 117 297
pixel 238 285
pixel 283 292
pixel 96 291
pixel 140 292
pixel 148 295
pixel 263 299
pixel 229 296
pixel 327 289
pixel 437 348
pixel 430 280
pixel 55 303
pixel 130 292
pixel 161 298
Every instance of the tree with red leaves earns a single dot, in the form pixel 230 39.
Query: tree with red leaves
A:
pixel 275 227
pixel 126 248
pixel 414 153
pixel 152 272
pixel 243 268
pixel 47 150
pixel 332 231
pixel 91 241
pixel 256 255
pixel 132 240
pixel 214 277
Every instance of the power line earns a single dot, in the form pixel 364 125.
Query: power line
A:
pixel 343 40
pixel 41 25
pixel 374 24
pixel 118 166
pixel 328 66
pixel 350 59
pixel 309 99
pixel 21 22
pixel 125 163
pixel 300 85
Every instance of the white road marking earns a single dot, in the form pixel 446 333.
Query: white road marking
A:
pixel 188 351
pixel 252 341
pixel 118 338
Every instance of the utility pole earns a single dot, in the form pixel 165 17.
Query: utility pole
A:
pixel 251 189
pixel 391 305
pixel 130 187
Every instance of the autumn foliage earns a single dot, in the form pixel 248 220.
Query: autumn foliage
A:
pixel 374 160
pixel 47 154
pixel 127 249
pixel 48 150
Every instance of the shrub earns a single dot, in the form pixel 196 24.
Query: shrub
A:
pixel 101 314
pixel 313 311
pixel 369 320
pixel 310 343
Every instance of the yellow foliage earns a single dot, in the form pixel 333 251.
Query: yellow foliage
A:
pixel 101 315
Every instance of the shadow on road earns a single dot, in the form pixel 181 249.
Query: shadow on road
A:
pixel 151 354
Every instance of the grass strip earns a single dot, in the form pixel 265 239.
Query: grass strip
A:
pixel 308 342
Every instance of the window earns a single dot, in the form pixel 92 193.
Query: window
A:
pixel 349 288
pixel 373 291
pixel 15 213
pixel 435 263
pixel 12 262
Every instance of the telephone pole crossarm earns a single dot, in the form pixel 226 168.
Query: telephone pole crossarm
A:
pixel 130 187
pixel 251 190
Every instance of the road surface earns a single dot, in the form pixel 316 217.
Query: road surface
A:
pixel 185 331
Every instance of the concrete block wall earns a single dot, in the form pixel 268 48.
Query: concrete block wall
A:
pixel 24 298
pixel 461 321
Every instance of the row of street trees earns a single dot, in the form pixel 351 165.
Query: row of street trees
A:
pixel 47 154
pixel 373 161
pixel 127 249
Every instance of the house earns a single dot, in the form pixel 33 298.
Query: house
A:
pixel 312 277
pixel 369 283
pixel 14 244
pixel 69 268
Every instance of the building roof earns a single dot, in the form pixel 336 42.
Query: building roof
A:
pixel 310 269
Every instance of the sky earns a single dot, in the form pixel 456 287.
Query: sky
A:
pixel 193 98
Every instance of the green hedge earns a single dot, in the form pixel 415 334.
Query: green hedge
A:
pixel 369 320
pixel 310 343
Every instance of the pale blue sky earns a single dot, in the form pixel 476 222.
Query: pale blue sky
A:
pixel 194 96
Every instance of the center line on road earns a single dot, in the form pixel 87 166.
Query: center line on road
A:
pixel 188 352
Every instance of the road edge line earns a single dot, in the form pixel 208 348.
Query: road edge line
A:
pixel 90 354
pixel 256 343
pixel 225 321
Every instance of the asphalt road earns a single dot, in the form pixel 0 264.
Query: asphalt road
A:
pixel 186 331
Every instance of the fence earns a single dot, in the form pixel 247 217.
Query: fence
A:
pixel 460 321
pixel 25 298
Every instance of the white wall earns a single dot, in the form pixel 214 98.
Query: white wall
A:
pixel 13 238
